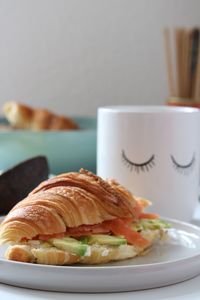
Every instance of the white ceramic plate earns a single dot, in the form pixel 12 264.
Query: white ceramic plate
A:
pixel 172 261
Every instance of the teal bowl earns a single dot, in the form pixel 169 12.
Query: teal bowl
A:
pixel 65 150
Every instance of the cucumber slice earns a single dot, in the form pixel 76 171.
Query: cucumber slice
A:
pixel 147 224
pixel 46 245
pixel 73 247
pixel 103 239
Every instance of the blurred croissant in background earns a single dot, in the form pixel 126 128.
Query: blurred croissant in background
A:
pixel 21 116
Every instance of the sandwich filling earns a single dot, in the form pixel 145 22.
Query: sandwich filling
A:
pixel 112 240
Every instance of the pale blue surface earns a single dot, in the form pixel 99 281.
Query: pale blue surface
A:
pixel 65 150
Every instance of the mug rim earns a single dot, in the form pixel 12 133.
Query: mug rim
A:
pixel 150 109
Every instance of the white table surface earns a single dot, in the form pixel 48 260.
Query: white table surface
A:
pixel 186 290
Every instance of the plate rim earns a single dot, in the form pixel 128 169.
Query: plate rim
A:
pixel 104 267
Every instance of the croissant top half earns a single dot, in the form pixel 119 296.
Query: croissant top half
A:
pixel 67 200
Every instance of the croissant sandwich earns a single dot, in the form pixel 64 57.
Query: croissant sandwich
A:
pixel 22 116
pixel 79 218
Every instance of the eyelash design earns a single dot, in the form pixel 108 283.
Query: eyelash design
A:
pixel 143 167
pixel 183 169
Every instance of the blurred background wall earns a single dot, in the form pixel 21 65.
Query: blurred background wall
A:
pixel 75 55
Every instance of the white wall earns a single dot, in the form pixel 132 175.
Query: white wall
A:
pixel 75 55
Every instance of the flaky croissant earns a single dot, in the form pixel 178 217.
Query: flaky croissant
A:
pixel 22 116
pixel 74 205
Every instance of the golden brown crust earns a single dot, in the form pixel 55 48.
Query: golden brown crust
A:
pixel 68 200
pixel 23 116
pixel 20 253
pixel 94 185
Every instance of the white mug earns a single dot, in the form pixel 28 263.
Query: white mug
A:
pixel 154 152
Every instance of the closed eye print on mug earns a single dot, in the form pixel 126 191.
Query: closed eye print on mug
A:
pixel 138 167
pixel 184 169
